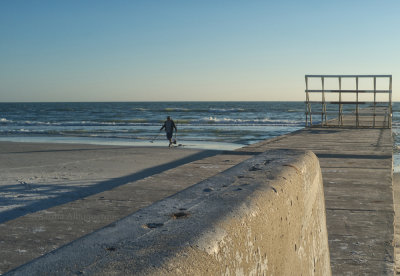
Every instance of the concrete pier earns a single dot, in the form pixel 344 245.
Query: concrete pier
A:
pixel 357 173
pixel 357 176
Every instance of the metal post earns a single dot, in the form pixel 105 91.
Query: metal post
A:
pixel 326 123
pixel 323 107
pixel 308 107
pixel 357 119
pixel 340 102
pixel 373 125
pixel 307 101
pixel 390 103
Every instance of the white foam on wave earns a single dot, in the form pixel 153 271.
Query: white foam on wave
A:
pixel 227 109
pixel 4 120
pixel 82 123
pixel 176 109
pixel 24 130
pixel 40 123
pixel 212 119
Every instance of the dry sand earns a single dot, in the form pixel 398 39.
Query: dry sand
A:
pixel 31 173
pixel 52 194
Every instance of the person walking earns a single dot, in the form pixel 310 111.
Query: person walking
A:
pixel 169 127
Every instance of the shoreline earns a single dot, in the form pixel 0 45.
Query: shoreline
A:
pixel 159 143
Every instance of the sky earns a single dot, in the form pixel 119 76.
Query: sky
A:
pixel 167 50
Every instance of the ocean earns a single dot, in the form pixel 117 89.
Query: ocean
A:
pixel 226 125
pixel 208 125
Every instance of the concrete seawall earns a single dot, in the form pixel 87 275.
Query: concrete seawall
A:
pixel 265 215
pixel 356 167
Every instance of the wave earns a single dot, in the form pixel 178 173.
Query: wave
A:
pixel 200 110
pixel 127 121
pixel 82 123
pixel 265 121
pixel 170 109
pixel 5 121
pixel 76 132
pixel 227 110
pixel 146 122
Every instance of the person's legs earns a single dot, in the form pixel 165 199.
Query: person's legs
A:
pixel 169 137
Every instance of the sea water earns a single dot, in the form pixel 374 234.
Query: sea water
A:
pixel 209 125
pixel 225 125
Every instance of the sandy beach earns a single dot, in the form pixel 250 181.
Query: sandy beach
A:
pixel 55 193
pixel 33 172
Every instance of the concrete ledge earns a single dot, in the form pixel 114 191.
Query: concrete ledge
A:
pixel 265 215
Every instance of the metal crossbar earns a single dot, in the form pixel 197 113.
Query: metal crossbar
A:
pixel 376 108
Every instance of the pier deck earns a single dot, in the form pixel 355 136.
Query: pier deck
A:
pixel 357 173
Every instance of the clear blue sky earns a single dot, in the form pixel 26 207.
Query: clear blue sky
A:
pixel 81 50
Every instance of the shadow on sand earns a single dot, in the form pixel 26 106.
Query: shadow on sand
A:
pixel 74 193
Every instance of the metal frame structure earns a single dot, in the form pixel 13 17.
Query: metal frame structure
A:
pixel 323 112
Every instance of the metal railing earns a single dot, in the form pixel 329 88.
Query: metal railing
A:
pixel 374 113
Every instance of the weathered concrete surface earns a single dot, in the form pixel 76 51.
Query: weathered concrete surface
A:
pixel 396 197
pixel 357 172
pixel 92 199
pixel 263 216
